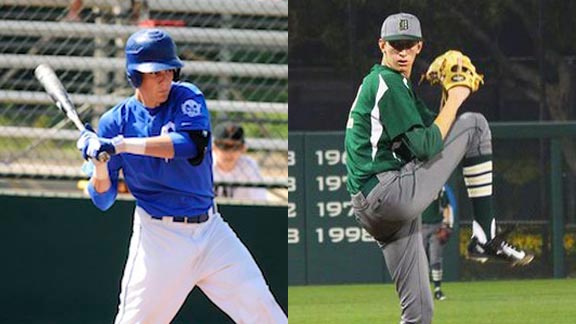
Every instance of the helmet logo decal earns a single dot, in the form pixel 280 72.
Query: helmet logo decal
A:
pixel 191 108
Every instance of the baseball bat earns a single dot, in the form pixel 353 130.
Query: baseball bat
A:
pixel 51 83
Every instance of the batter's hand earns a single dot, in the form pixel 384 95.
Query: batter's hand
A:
pixel 86 134
pixel 91 145
pixel 88 138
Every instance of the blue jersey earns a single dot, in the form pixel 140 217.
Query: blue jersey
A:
pixel 162 187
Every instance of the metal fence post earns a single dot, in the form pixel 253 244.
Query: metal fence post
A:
pixel 557 207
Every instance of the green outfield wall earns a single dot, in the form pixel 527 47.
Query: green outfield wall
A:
pixel 62 259
pixel 327 246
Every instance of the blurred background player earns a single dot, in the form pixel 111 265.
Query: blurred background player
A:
pixel 74 10
pixel 232 164
pixel 132 8
pixel 437 222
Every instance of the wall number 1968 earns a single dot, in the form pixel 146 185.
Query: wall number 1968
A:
pixel 330 157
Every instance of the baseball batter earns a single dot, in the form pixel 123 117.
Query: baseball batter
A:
pixel 400 154
pixel 160 139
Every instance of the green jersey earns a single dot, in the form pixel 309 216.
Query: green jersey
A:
pixel 435 212
pixel 388 126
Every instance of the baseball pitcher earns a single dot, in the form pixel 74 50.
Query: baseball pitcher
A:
pixel 160 139
pixel 400 154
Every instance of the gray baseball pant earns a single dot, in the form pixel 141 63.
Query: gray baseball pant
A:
pixel 432 246
pixel 391 212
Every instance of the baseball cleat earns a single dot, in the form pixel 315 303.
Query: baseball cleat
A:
pixel 438 294
pixel 499 249
pixel 476 251
pixel 507 251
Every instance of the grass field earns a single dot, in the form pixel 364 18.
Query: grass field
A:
pixel 482 302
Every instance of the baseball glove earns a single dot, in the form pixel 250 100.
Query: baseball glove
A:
pixel 453 69
pixel 443 234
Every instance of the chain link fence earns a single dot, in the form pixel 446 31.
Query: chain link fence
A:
pixel 236 51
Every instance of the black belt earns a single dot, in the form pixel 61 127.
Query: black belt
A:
pixel 186 219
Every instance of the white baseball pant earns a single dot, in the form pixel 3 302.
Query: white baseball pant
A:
pixel 167 260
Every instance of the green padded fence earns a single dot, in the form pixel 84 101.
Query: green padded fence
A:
pixel 62 259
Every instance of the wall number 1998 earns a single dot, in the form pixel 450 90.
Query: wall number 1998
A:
pixel 343 234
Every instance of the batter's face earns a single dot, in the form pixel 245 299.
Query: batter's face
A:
pixel 227 153
pixel 400 55
pixel 155 88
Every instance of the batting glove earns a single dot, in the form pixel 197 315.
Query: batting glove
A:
pixel 87 142
pixel 87 134
pixel 111 146
pixel 91 145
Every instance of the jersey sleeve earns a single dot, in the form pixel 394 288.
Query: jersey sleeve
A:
pixel 107 128
pixel 191 112
pixel 402 116
pixel 397 106
pixel 424 142
pixel 191 135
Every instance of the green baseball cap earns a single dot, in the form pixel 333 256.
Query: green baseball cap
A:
pixel 401 26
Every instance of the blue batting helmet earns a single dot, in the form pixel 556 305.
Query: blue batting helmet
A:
pixel 150 50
